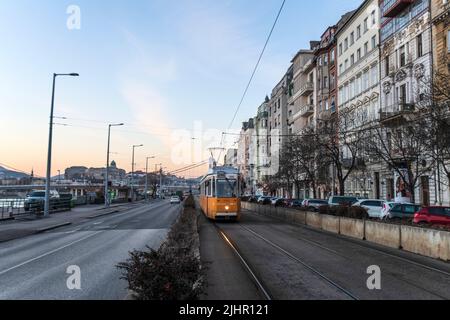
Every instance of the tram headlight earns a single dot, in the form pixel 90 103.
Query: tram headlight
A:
pixel 227 208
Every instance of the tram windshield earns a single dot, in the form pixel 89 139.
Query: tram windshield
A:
pixel 227 188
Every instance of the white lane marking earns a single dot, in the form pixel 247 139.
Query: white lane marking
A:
pixel 48 253
pixel 97 223
pixel 73 231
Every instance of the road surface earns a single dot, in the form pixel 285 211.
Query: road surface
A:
pixel 35 267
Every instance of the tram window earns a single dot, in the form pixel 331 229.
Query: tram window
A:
pixel 213 187
pixel 226 188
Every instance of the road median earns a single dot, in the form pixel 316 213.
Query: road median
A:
pixel 172 272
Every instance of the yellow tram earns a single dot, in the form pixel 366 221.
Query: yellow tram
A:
pixel 219 194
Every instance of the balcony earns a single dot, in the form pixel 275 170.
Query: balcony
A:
pixel 306 89
pixel 391 8
pixel 396 114
pixel 347 163
pixel 306 110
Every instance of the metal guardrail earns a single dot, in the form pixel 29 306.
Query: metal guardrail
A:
pixel 19 206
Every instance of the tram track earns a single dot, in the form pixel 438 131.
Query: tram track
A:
pixel 253 274
pixel 366 246
pixel 246 265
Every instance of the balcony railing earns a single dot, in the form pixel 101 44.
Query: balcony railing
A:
pixel 307 110
pixel 391 8
pixel 307 88
pixel 396 112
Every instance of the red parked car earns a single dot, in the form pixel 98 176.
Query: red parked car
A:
pixel 433 215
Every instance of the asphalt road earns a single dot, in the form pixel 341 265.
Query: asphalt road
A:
pixel 300 263
pixel 35 267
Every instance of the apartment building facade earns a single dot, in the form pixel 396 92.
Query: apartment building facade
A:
pixel 302 102
pixel 358 85
pixel 246 155
pixel 278 122
pixel 406 61
pixel 440 19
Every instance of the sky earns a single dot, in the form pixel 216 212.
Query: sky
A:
pixel 173 71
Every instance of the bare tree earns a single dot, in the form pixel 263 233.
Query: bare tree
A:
pixel 340 140
pixel 434 107
pixel 403 149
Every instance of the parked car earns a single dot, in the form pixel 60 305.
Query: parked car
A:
pixel 401 211
pixel 274 200
pixel 374 207
pixel 433 215
pixel 175 200
pixel 342 200
pixel 265 200
pixel 279 202
pixel 314 204
pixel 296 203
pixel 35 201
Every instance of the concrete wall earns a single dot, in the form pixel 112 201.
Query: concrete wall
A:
pixel 351 228
pixel 314 220
pixel 330 223
pixel 383 233
pixel 430 243
pixel 426 242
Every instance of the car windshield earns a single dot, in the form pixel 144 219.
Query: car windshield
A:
pixel 38 194
pixel 226 188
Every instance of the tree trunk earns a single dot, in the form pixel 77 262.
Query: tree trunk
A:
pixel 341 187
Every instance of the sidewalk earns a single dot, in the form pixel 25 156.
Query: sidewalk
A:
pixel 26 225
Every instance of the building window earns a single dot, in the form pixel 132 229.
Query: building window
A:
pixel 374 42
pixel 365 80
pixel 352 38
pixel 352 59
pixel 448 41
pixel 402 56
pixel 386 66
pixel 366 25
pixel 366 48
pixel 340 69
pixel 358 32
pixel 419 46
pixel 358 54
pixel 374 75
pixel 346 64
pixel 340 49
pixel 402 94
pixel 345 44
pixel 373 15
pixel 325 82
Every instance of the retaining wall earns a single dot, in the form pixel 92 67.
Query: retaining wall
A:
pixel 427 242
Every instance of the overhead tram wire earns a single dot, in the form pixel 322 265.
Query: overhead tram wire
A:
pixel 253 73
pixel 190 167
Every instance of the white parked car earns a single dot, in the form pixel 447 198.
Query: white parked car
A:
pixel 374 207
pixel 175 200
pixel 274 200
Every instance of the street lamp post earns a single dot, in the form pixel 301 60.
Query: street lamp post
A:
pixel 132 171
pixel 50 141
pixel 146 176
pixel 107 200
